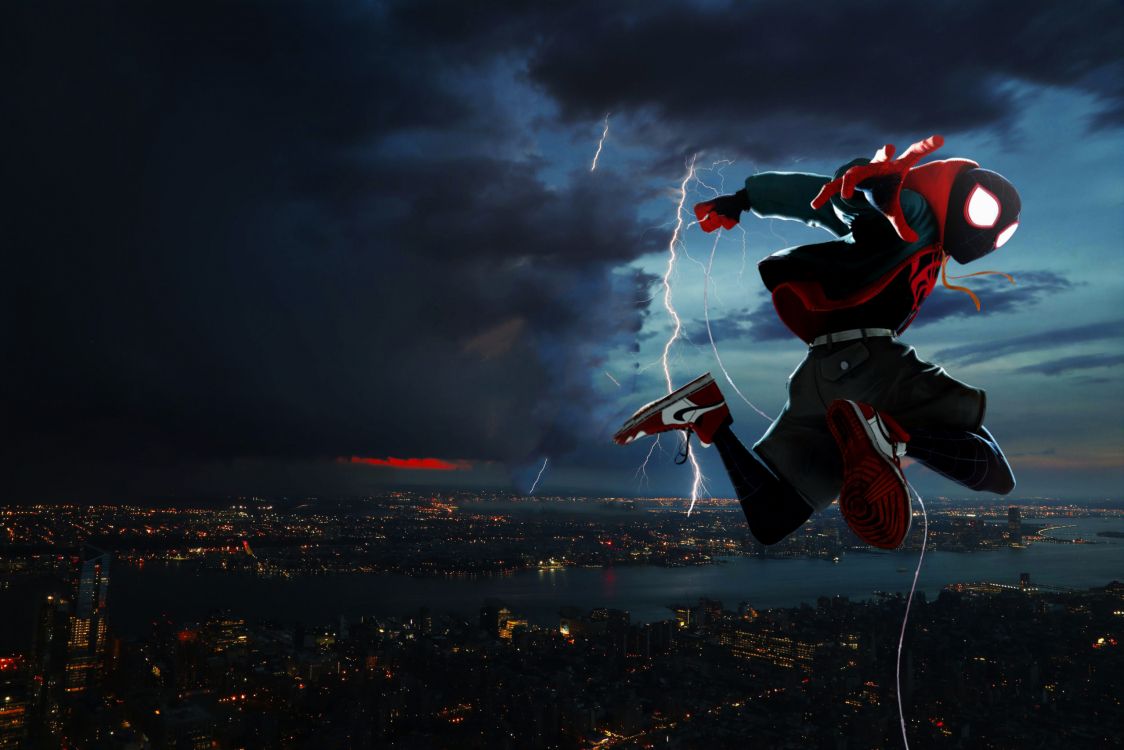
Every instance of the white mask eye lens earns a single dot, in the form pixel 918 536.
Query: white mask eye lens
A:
pixel 982 208
pixel 1005 235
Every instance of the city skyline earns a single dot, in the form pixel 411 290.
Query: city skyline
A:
pixel 482 621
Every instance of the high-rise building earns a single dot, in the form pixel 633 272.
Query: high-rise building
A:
pixel 48 665
pixel 224 631
pixel 424 621
pixel 682 615
pixel 13 702
pixel 1014 526
pixel 88 632
pixel 491 615
pixel 570 621
pixel 510 626
pixel 708 613
pixel 773 648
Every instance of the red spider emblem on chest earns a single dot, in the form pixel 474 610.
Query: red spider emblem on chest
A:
pixel 923 272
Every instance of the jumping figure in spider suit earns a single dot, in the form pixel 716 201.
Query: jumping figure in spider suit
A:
pixel 861 399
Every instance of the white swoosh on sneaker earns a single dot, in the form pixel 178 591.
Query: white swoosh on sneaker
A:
pixel 880 436
pixel 671 415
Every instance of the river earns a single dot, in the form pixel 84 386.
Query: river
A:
pixel 644 591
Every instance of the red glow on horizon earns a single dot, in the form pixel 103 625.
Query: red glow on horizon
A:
pixel 424 464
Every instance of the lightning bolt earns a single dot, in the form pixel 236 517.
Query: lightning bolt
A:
pixel 719 168
pixel 642 470
pixel 677 327
pixel 674 246
pixel 672 257
pixel 539 477
pixel 741 270
pixel 600 143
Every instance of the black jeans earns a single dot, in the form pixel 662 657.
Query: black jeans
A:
pixel 880 371
pixel 971 458
pixel 774 509
pixel 771 506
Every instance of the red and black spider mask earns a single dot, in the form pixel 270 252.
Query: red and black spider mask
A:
pixel 983 213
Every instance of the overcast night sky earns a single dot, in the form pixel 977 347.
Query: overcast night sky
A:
pixel 263 248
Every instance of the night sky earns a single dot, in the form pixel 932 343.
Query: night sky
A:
pixel 265 248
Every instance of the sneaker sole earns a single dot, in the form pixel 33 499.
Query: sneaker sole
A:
pixel 874 499
pixel 647 412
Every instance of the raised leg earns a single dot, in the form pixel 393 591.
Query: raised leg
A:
pixel 773 508
pixel 971 458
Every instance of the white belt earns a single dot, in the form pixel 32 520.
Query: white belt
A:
pixel 851 335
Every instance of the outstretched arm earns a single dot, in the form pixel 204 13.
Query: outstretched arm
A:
pixel 788 195
pixel 881 180
pixel 861 189
pixel 772 195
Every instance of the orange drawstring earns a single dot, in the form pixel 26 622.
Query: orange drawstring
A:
pixel 966 290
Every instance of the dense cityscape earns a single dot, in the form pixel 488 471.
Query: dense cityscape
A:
pixel 468 535
pixel 985 662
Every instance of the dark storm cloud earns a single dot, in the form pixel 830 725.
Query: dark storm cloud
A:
pixel 1050 339
pixel 214 253
pixel 296 230
pixel 769 81
pixel 1069 364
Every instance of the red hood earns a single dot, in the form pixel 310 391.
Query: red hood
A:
pixel 934 182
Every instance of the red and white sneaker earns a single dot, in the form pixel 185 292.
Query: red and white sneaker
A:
pixel 875 495
pixel 697 407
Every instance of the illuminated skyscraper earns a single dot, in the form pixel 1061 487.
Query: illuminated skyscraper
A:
pixel 570 621
pixel 773 648
pixel 510 625
pixel 87 636
pixel 48 662
pixel 682 615
pixel 13 702
pixel 224 631
pixel 1014 526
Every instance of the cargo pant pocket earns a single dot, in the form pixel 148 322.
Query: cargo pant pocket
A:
pixel 844 362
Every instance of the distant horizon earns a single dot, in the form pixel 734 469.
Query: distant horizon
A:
pixel 186 500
